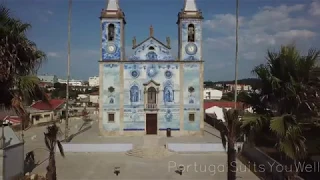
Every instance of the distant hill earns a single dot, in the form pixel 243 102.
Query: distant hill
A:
pixel 254 82
pixel 247 81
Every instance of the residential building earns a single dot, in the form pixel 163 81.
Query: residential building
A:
pixel 94 81
pixel 212 94
pixel 94 97
pixel 83 100
pixel 48 78
pixel 151 91
pixel 40 116
pixel 9 117
pixel 54 105
pixel 240 87
pixel 72 82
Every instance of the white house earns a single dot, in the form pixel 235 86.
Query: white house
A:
pixel 212 94
pixel 94 81
pixel 94 97
pixel 72 82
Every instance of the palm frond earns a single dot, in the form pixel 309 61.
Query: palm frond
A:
pixel 277 125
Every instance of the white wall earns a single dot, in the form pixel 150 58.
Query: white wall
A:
pixel 43 117
pixel 94 98
pixel 94 81
pixel 13 161
pixel 213 94
pixel 72 82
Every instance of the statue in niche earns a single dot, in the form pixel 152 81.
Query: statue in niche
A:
pixel 168 94
pixel 134 42
pixel 191 33
pixel 111 101
pixel 168 42
pixel 134 93
pixel 111 32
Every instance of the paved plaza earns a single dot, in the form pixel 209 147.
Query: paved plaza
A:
pixel 101 165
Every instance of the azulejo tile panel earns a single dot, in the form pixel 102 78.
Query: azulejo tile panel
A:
pixel 110 88
pixel 191 89
pixel 166 75
pixel 151 50
pixel 191 86
pixel 111 48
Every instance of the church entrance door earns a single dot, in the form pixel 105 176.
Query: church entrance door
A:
pixel 151 124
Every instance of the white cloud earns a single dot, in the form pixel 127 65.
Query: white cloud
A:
pixel 315 8
pixel 268 28
pixel 50 12
pixel 53 54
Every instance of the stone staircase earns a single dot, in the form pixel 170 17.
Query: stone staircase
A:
pixel 150 149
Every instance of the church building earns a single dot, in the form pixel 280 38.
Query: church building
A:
pixel 151 90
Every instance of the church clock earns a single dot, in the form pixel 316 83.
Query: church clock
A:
pixel 111 48
pixel 191 49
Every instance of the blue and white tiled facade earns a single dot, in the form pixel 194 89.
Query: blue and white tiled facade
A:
pixel 158 52
pixel 176 82
pixel 110 99
pixel 196 55
pixel 116 43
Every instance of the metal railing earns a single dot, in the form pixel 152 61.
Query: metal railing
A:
pixel 151 106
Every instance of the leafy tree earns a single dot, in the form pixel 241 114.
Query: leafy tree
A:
pixel 20 59
pixel 287 97
pixel 51 141
pixel 57 85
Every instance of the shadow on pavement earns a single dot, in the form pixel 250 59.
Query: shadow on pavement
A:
pixel 81 130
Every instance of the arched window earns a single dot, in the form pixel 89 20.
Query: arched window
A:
pixel 191 33
pixel 152 95
pixel 111 31
pixel 151 48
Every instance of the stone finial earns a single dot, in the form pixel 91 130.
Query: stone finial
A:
pixel 134 42
pixel 168 42
pixel 151 31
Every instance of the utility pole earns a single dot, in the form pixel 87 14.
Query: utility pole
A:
pixel 236 58
pixel 68 71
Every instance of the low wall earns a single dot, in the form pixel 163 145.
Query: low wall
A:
pixel 13 161
pixel 264 163
pixel 96 147
pixel 204 147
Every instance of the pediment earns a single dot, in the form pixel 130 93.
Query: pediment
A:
pixel 151 50
pixel 151 82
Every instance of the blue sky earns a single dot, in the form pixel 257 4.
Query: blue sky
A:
pixel 264 24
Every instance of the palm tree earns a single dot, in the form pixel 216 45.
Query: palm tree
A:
pixel 236 56
pixel 230 132
pixel 20 59
pixel 288 96
pixel 68 70
pixel 50 138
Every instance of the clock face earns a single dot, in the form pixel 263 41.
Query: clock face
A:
pixel 111 48
pixel 191 49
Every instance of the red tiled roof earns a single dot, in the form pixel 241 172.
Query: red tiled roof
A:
pixel 222 104
pixel 14 120
pixel 52 105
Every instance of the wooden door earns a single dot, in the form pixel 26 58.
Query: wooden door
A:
pixel 151 124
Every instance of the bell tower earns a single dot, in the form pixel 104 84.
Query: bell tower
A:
pixel 112 32
pixel 190 32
